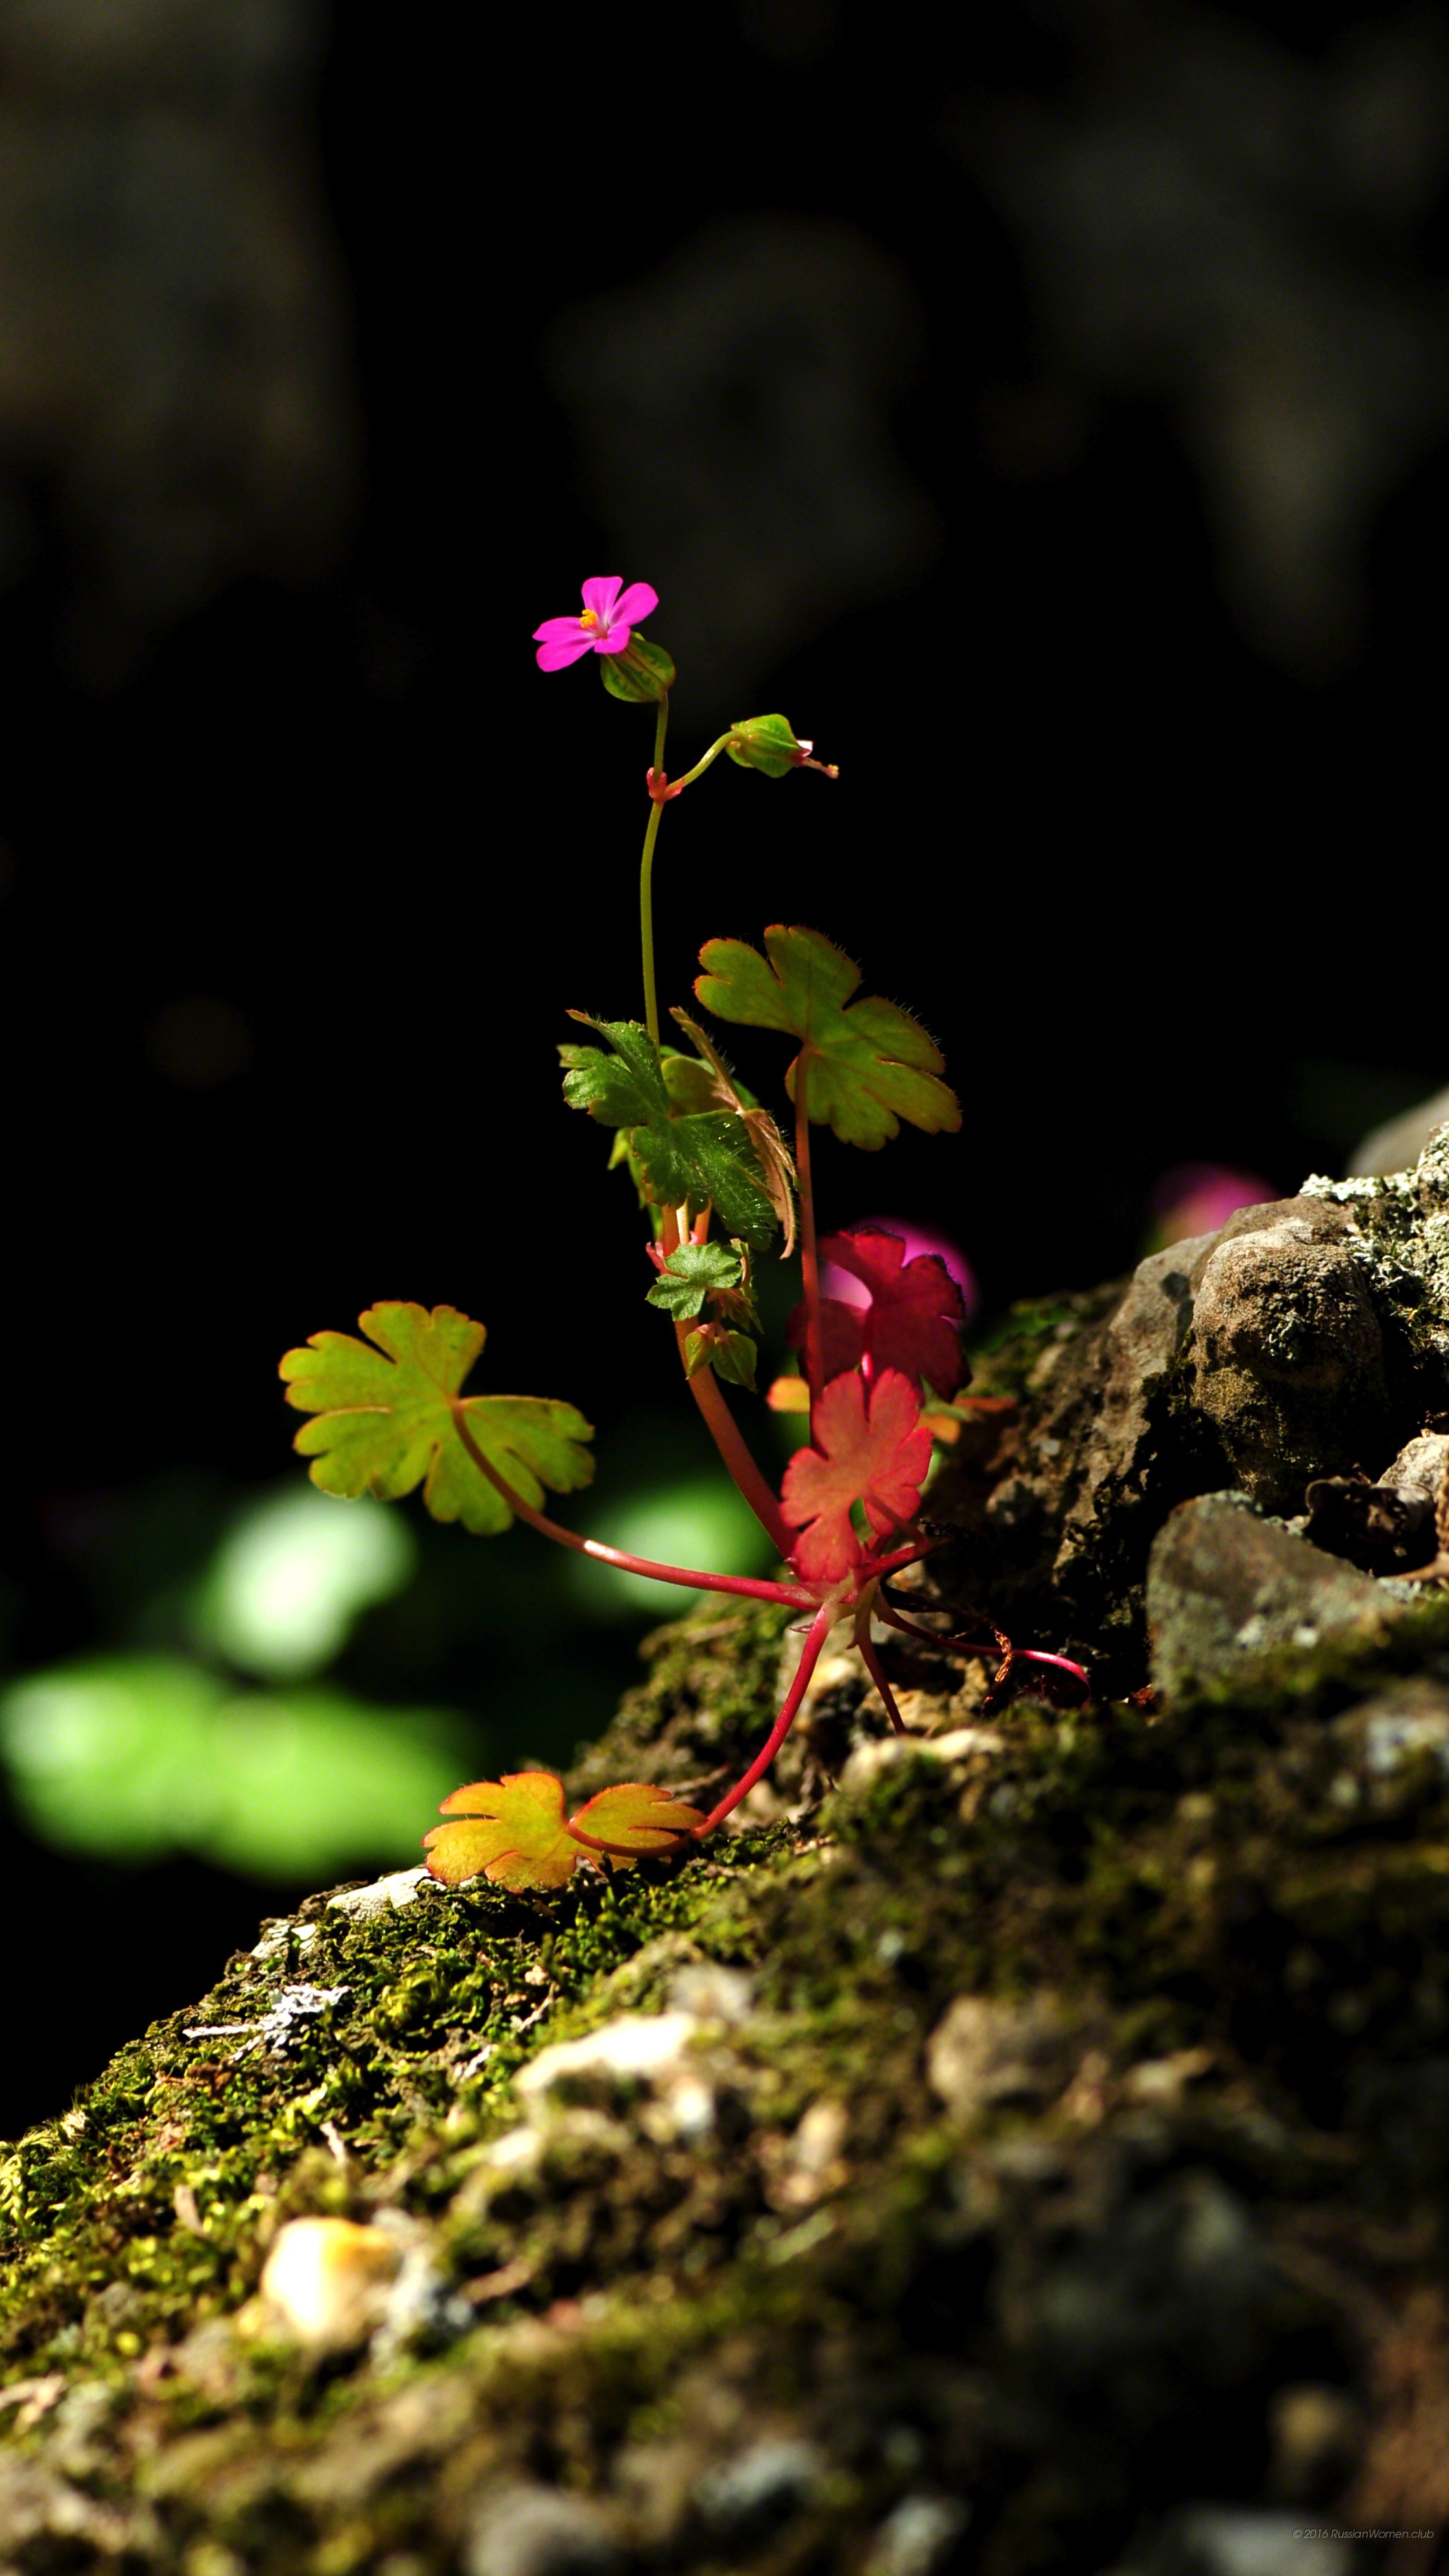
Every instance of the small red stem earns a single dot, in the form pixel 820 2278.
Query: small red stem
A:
pixel 809 1254
pixel 792 1595
pixel 820 1627
pixel 723 1428
pixel 729 1441
pixel 876 1670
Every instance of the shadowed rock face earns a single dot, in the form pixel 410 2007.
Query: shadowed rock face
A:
pixel 1305 1343
pixel 1288 1353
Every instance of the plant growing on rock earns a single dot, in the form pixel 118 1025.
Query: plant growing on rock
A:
pixel 721 1185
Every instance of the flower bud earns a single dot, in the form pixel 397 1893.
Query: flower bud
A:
pixel 769 743
pixel 641 675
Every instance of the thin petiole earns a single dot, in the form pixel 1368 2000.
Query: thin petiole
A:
pixel 749 1587
pixel 820 1627
pixel 873 1664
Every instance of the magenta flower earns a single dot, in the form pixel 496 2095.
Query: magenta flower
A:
pixel 602 626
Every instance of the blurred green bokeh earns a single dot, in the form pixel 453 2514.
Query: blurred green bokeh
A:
pixel 134 1757
pixel 701 1521
pixel 284 1588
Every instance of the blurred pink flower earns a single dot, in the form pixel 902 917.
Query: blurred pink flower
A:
pixel 1196 1198
pixel 602 626
pixel 836 1282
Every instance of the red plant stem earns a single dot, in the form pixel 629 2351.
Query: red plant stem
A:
pixel 723 1428
pixel 809 1255
pixel 876 1670
pixel 793 1595
pixel 820 1627
pixel 729 1441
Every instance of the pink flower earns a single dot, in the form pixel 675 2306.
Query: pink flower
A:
pixel 608 613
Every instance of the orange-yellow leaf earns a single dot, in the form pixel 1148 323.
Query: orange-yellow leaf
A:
pixel 634 1819
pixel 514 1833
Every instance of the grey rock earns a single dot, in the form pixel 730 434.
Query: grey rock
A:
pixel 1397 1145
pixel 918 2537
pixel 536 2531
pixel 984 2055
pixel 1233 2540
pixel 1227 1589
pixel 742 2499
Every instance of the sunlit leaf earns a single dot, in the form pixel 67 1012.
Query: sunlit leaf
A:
pixel 870 1447
pixel 387 1419
pixel 913 1322
pixel 635 1819
pixel 514 1833
pixel 703 1158
pixel 693 1272
pixel 867 1064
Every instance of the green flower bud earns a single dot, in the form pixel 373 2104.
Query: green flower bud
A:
pixel 769 744
pixel 641 675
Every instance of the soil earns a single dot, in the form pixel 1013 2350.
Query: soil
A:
pixel 1019 2147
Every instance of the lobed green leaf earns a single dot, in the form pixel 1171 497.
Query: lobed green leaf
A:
pixel 866 1065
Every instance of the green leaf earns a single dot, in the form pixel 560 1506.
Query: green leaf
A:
pixel 704 1158
pixel 387 1419
pixel 641 675
pixel 731 1355
pixel 867 1065
pixel 691 1274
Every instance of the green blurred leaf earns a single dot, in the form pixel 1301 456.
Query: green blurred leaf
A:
pixel 129 1757
pixel 868 1064
pixel 703 1159
pixel 692 1273
pixel 386 1419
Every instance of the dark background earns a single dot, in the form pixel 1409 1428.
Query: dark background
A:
pixel 1052 417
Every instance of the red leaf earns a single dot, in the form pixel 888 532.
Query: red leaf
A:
pixel 873 1449
pixel 915 1313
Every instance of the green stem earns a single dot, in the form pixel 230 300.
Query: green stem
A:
pixel 678 785
pixel 646 873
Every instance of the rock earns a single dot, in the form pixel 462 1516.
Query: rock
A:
pixel 744 2499
pixel 1399 1522
pixel 882 1752
pixel 536 2531
pixel 918 2537
pixel 1226 1589
pixel 985 2054
pixel 1397 1145
pixel 637 2048
pixel 1235 2540
pixel 1288 1355
pixel 400 1887
pixel 326 2282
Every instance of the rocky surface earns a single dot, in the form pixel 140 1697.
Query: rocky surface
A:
pixel 1020 2147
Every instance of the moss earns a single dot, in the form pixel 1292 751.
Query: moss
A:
pixel 844 2260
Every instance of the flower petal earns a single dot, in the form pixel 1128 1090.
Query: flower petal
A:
pixel 601 593
pixel 554 657
pixel 635 604
pixel 613 641
pixel 562 630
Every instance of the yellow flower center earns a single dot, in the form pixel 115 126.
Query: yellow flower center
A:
pixel 588 617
